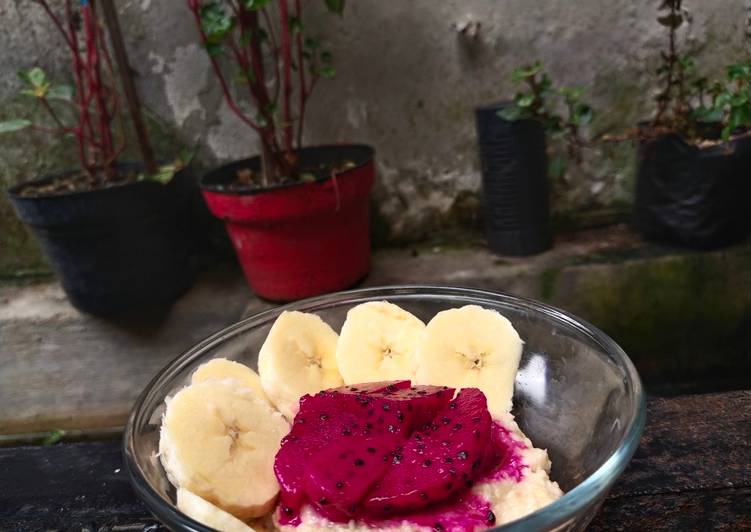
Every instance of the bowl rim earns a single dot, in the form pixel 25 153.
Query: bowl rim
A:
pixel 591 489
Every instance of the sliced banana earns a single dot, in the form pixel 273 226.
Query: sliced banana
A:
pixel 298 357
pixel 378 342
pixel 471 347
pixel 206 513
pixel 219 440
pixel 222 369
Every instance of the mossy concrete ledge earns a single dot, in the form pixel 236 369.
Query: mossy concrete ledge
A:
pixel 683 317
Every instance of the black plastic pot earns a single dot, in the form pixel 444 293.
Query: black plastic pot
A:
pixel 693 197
pixel 516 192
pixel 114 249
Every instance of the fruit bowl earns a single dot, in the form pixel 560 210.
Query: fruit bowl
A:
pixel 576 394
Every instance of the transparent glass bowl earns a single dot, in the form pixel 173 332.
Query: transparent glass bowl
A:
pixel 576 395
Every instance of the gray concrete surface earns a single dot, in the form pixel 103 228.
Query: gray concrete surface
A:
pixel 679 315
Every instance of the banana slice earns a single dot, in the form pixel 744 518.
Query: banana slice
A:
pixel 298 357
pixel 378 342
pixel 219 440
pixel 471 347
pixel 206 513
pixel 222 369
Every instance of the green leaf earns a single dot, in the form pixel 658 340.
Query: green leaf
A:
pixel 335 6
pixel 735 120
pixel 512 113
pixel 185 156
pixel 545 83
pixel 723 99
pixel 739 100
pixel 327 72
pixel 36 77
pixel 214 49
pixel 725 133
pixel 245 38
pixel 526 71
pixel 261 120
pixel 14 125
pixel 60 92
pixel 311 45
pixel 705 114
pixel 271 108
pixel 686 63
pixel 572 94
pixel 326 57
pixel 581 115
pixel 556 167
pixel 738 71
pixel 163 174
pixel 524 100
pixel 256 5
pixel 53 437
pixel 554 126
pixel 295 25
pixel 215 23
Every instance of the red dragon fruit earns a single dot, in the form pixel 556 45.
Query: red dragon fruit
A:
pixel 437 461
pixel 348 417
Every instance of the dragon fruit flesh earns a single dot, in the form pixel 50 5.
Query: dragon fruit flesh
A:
pixel 345 419
pixel 340 475
pixel 437 461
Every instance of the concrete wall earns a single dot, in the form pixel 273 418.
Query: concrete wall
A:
pixel 407 83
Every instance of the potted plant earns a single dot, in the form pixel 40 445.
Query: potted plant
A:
pixel 695 155
pixel 514 158
pixel 297 216
pixel 112 231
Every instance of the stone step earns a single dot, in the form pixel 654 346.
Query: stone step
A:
pixel 680 315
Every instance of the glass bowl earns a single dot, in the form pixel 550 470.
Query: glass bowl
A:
pixel 576 395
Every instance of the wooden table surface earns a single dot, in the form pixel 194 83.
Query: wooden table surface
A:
pixel 692 471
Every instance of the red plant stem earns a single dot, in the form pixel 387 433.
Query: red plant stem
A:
pixel 274 164
pixel 229 100
pixel 81 97
pixel 115 105
pixel 259 72
pixel 69 39
pixel 286 53
pixel 302 92
pixel 242 60
pixel 72 42
pixel 93 73
pixel 274 53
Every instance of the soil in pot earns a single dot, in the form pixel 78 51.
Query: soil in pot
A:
pixel 114 248
pixel 293 239
pixel 692 196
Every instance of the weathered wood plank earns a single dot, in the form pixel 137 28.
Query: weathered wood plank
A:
pixel 692 472
pixel 694 442
pixel 703 510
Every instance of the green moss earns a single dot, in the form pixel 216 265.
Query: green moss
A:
pixel 678 315
pixel 548 278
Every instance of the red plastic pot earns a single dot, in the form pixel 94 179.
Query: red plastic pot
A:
pixel 299 240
